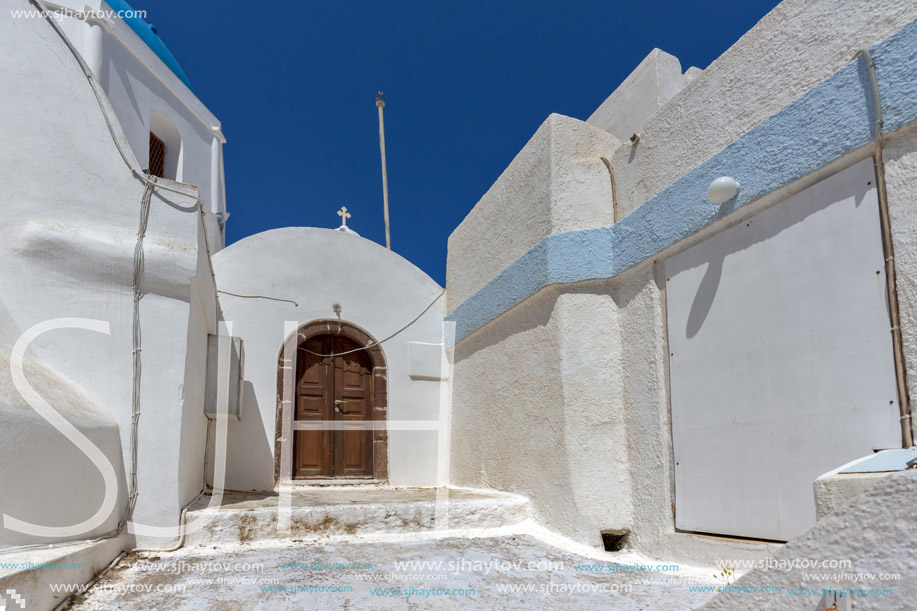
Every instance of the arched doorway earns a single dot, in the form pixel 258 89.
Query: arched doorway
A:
pixel 331 405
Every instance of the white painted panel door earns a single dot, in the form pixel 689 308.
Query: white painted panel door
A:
pixel 781 358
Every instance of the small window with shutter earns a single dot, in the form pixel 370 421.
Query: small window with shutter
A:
pixel 157 156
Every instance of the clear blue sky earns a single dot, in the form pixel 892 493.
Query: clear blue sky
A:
pixel 466 85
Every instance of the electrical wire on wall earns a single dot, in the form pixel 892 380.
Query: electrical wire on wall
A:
pixel 137 339
pixel 258 297
pixel 381 341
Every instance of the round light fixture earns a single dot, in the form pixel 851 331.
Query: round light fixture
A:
pixel 722 189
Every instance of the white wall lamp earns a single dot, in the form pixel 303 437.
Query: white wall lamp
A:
pixel 723 189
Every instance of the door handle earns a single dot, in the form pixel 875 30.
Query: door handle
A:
pixel 337 404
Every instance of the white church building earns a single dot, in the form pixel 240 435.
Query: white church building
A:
pixel 685 326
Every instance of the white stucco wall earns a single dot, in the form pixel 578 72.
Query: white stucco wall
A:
pixel 563 399
pixel 796 46
pixel 379 292
pixel 793 47
pixel 28 440
pixel 901 177
pixel 778 339
pixel 140 86
pixel 835 492
pixel 556 183
pixel 70 211
pixel 640 300
pixel 643 299
pixel 531 413
pixel 877 533
pixel 650 86
pixel 202 321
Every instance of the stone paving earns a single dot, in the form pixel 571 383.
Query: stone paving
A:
pixel 505 572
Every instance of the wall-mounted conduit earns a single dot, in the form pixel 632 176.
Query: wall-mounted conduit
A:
pixel 614 188
pixel 891 287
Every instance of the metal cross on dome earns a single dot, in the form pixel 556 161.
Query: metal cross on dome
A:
pixel 344 215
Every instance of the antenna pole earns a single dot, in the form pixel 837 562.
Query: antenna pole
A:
pixel 388 235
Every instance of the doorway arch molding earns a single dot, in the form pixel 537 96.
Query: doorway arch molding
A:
pixel 286 368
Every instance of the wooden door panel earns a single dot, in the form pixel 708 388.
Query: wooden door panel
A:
pixel 353 386
pixel 352 377
pixel 310 408
pixel 353 454
pixel 333 388
pixel 312 450
pixel 351 409
pixel 308 461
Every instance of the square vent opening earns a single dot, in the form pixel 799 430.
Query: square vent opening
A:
pixel 614 540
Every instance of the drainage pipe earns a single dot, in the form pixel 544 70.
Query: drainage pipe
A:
pixel 181 530
pixel 889 249
pixel 614 189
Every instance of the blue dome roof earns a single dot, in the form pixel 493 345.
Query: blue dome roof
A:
pixel 147 33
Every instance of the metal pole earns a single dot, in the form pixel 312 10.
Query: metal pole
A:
pixel 388 235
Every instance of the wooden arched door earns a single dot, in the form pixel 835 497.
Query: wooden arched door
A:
pixel 336 388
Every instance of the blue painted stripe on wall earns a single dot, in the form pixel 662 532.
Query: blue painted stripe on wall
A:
pixel 830 120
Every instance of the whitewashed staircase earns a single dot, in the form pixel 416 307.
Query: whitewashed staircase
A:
pixel 310 512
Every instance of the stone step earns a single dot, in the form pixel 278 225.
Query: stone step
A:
pixel 316 512
pixel 43 578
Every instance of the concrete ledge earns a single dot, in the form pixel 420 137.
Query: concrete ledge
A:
pixel 557 182
pixel 38 570
pixel 875 532
pixel 833 492
pixel 652 83
pixel 840 487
